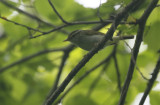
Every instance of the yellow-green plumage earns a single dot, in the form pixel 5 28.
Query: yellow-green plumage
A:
pixel 87 39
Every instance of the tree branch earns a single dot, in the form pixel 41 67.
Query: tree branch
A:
pixel 151 81
pixel 54 9
pixel 31 56
pixel 136 63
pixel 117 71
pixel 64 58
pixel 142 22
pixel 22 25
pixel 107 59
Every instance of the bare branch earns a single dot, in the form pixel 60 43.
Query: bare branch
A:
pixel 31 56
pixel 55 29
pixel 64 58
pixel 151 82
pixel 98 12
pixel 27 27
pixel 118 72
pixel 54 9
pixel 142 22
pixel 138 69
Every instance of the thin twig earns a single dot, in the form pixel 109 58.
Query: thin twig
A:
pixel 151 82
pixel 25 13
pixel 137 68
pixel 117 72
pixel 116 65
pixel 55 29
pixel 54 9
pixel 98 12
pixel 22 25
pixel 30 57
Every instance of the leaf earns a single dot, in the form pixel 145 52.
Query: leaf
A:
pixel 80 99
pixel 152 36
pixel 154 97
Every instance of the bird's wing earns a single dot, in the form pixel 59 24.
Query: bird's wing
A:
pixel 92 32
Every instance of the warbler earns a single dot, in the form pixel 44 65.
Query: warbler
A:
pixel 88 39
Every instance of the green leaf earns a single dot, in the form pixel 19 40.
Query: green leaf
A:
pixel 154 97
pixel 80 99
pixel 152 36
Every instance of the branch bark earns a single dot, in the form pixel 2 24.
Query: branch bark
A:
pixel 64 58
pixel 107 59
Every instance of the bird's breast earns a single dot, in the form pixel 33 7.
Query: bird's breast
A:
pixel 88 42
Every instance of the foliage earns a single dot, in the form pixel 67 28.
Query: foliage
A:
pixel 32 53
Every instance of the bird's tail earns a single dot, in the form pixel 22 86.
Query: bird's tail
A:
pixel 115 38
pixel 126 37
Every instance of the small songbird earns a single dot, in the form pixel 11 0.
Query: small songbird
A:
pixel 88 39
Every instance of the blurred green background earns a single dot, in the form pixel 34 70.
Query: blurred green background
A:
pixel 28 82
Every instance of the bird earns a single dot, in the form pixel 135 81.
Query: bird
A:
pixel 88 39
